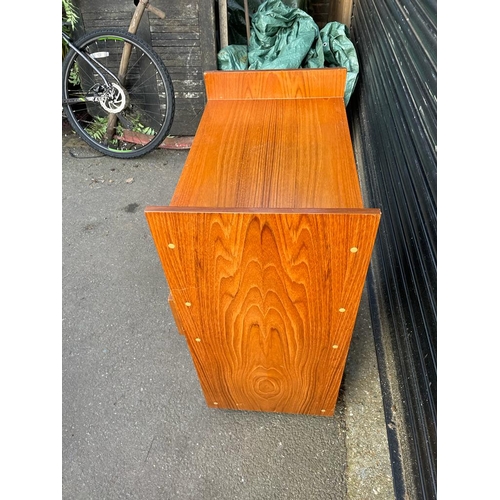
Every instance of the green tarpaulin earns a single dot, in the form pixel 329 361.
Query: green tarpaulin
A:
pixel 286 37
pixel 236 16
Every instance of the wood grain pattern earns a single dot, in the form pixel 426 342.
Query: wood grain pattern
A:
pixel 276 84
pixel 272 139
pixel 282 153
pixel 263 299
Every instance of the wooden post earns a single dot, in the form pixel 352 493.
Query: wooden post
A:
pixel 134 24
pixel 341 11
pixel 247 21
pixel 224 38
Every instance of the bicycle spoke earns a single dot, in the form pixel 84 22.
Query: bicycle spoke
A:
pixel 146 98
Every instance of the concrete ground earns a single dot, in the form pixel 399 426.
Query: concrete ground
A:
pixel 134 422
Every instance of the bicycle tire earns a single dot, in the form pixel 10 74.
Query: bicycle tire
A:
pixel 147 118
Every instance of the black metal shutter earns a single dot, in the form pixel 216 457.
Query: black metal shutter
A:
pixel 393 115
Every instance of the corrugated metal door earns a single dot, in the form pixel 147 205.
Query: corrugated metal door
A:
pixel 393 117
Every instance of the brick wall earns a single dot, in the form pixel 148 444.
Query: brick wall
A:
pixel 318 10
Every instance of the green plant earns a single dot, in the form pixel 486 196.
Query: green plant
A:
pixel 69 13
pixel 97 129
pixel 74 76
pixel 137 125
pixel 69 19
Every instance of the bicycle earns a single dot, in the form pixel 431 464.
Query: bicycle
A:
pixel 117 93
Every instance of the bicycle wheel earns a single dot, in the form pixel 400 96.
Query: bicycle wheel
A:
pixel 132 116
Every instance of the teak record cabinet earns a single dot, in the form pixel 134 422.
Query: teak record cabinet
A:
pixel 266 244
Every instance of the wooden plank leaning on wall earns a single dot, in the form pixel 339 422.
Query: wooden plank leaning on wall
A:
pixel 341 11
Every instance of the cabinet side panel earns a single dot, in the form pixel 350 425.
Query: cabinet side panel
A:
pixel 267 301
pixel 175 314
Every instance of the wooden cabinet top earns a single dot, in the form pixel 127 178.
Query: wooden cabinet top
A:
pixel 272 139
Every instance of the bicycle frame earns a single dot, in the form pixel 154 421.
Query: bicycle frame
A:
pixel 91 61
